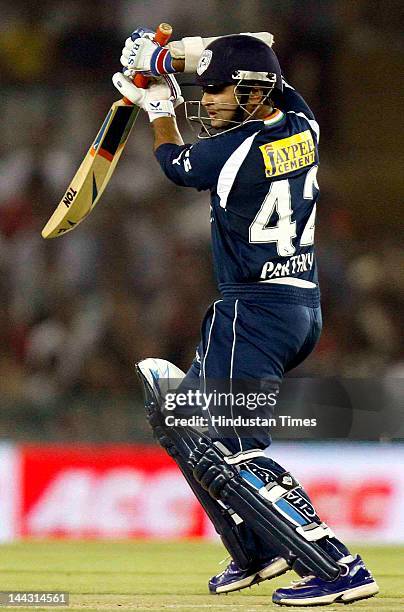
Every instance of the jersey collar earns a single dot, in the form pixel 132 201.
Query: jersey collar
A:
pixel 274 117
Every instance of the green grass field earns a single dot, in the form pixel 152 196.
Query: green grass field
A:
pixel 163 576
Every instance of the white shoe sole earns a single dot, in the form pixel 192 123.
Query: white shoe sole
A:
pixel 348 596
pixel 271 571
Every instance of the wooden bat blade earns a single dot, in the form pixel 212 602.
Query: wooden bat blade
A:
pixel 95 171
pixel 98 165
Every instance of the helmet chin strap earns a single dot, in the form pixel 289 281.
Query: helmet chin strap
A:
pixel 240 114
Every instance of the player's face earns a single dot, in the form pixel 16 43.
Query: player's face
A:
pixel 220 104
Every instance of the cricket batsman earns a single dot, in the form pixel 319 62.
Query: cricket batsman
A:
pixel 257 155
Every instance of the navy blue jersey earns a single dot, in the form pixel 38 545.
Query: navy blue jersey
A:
pixel 262 180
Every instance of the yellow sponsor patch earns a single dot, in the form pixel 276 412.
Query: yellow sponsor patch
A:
pixel 288 154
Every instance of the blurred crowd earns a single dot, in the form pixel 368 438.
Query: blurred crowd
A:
pixel 135 279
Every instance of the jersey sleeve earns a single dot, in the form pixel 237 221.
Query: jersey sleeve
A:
pixel 293 101
pixel 188 165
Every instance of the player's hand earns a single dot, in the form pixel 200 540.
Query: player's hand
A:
pixel 142 54
pixel 160 99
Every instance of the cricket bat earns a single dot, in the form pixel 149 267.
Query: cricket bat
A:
pixel 96 169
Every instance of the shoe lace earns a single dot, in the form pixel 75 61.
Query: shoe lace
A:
pixel 221 563
pixel 303 580
pixel 226 559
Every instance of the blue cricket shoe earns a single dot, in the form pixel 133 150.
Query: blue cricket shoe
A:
pixel 355 582
pixel 234 579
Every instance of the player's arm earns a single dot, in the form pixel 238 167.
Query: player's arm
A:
pixel 141 54
pixel 166 131
pixel 292 100
pixel 188 165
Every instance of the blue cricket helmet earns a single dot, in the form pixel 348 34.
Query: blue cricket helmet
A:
pixel 230 59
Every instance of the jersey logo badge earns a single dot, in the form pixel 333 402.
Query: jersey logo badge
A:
pixel 288 154
pixel 204 61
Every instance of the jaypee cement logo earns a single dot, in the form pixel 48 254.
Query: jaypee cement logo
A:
pixel 204 61
pixel 288 154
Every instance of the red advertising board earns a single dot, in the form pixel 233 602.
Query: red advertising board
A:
pixel 137 491
pixel 110 491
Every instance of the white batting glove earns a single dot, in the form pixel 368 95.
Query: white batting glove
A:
pixel 160 99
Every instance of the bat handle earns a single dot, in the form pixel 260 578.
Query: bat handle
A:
pixel 162 36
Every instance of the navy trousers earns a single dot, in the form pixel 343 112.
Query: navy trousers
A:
pixel 247 345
